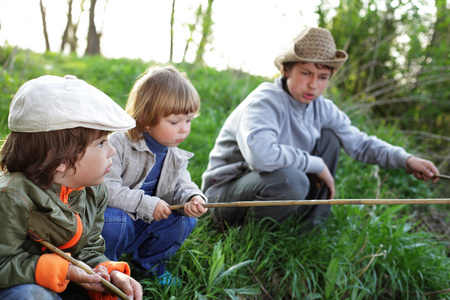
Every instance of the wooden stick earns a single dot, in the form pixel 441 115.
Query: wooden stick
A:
pixel 442 176
pixel 87 269
pixel 321 202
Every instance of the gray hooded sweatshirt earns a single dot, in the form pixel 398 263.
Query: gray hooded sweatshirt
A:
pixel 270 130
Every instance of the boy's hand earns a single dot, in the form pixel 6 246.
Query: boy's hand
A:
pixel 421 168
pixel 127 284
pixel 162 211
pixel 327 178
pixel 88 281
pixel 193 208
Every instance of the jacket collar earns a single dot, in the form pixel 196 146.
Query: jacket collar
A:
pixel 63 192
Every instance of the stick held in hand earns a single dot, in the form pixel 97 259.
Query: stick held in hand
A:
pixel 77 263
pixel 320 202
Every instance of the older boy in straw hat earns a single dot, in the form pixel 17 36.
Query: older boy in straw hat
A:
pixel 283 141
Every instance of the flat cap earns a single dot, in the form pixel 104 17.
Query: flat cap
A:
pixel 51 102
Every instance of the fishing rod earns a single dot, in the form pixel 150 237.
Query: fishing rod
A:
pixel 320 202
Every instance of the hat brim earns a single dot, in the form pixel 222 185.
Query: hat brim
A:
pixel 289 56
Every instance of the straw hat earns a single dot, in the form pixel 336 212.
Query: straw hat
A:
pixel 314 45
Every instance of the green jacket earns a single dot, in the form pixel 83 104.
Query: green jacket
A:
pixel 74 227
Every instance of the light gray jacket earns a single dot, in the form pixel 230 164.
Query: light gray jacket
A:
pixel 270 130
pixel 131 165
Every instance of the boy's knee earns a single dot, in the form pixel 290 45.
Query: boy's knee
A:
pixel 30 292
pixel 190 223
pixel 330 141
pixel 115 223
pixel 114 215
pixel 178 227
pixel 118 232
pixel 287 184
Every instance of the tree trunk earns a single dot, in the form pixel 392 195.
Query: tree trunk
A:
pixel 172 19
pixel 73 39
pixel 441 34
pixel 192 27
pixel 93 39
pixel 207 24
pixel 65 37
pixel 44 25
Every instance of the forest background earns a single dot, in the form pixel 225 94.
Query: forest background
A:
pixel 395 85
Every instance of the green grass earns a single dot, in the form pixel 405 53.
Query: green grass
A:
pixel 364 251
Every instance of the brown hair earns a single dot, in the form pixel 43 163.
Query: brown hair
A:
pixel 38 154
pixel 158 93
pixel 287 66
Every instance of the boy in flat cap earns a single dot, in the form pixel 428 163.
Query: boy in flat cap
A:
pixel 51 187
pixel 283 141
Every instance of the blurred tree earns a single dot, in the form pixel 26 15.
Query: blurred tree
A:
pixel 172 19
pixel 70 32
pixel 367 31
pixel 437 50
pixel 65 37
pixel 441 33
pixel 398 67
pixel 432 118
pixel 206 33
pixel 198 15
pixel 44 26
pixel 93 38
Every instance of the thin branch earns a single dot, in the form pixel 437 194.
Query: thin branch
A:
pixel 427 135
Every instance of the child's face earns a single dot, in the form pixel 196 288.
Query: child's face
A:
pixel 306 82
pixel 171 130
pixel 92 167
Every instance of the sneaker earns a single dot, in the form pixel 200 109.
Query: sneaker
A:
pixel 167 279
